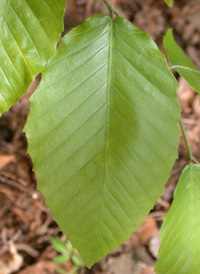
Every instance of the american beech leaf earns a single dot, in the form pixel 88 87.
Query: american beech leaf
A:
pixel 180 233
pixel 29 31
pixel 103 132
pixel 181 62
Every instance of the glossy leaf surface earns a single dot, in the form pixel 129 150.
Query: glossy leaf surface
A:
pixel 29 31
pixel 103 132
pixel 180 233
pixel 181 62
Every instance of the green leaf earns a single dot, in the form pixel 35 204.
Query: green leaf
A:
pixel 61 270
pixel 103 132
pixel 70 247
pixel 181 62
pixel 61 259
pixel 74 250
pixel 29 31
pixel 169 3
pixel 59 246
pixel 180 232
pixel 78 261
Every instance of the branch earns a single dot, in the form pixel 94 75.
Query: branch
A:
pixel 191 158
pixel 112 9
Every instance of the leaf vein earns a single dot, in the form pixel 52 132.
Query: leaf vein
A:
pixel 26 31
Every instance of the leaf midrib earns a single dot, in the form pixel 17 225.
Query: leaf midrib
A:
pixel 186 68
pixel 107 132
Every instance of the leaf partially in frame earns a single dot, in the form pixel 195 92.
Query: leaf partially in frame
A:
pixel 29 31
pixel 180 233
pixel 181 62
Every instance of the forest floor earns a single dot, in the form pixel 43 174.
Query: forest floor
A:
pixel 26 224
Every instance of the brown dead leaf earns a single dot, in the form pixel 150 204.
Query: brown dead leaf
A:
pixel 11 262
pixel 146 230
pixel 186 96
pixel 123 264
pixel 146 269
pixel 6 159
pixel 43 267
pixel 154 245
pixel 196 106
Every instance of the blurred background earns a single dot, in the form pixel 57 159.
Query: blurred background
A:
pixel 30 241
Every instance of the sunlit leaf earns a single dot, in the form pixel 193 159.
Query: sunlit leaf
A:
pixel 103 132
pixel 29 31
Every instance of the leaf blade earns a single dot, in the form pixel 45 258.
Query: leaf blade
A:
pixel 179 252
pixel 100 128
pixel 59 246
pixel 181 62
pixel 26 47
pixel 169 3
